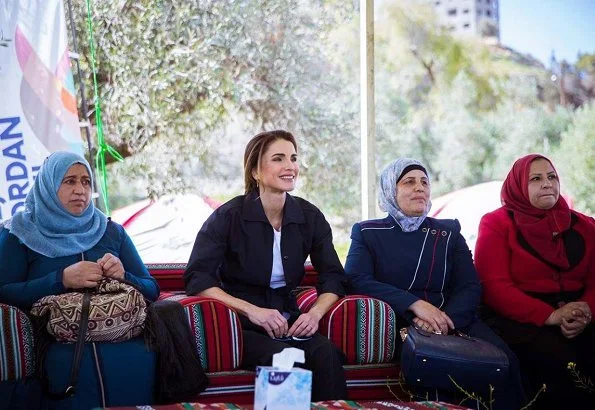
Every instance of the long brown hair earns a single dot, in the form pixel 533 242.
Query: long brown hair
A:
pixel 255 149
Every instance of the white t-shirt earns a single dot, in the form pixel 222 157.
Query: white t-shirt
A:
pixel 277 274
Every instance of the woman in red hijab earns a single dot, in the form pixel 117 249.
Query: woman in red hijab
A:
pixel 536 260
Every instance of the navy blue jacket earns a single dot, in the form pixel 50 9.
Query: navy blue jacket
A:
pixel 432 263
pixel 234 250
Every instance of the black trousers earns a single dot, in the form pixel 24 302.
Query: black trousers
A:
pixel 510 393
pixel 544 354
pixel 322 358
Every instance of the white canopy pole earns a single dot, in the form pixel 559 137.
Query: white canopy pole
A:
pixel 367 109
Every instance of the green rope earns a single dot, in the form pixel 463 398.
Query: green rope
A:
pixel 102 146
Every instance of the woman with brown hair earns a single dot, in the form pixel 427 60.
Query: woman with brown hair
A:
pixel 250 255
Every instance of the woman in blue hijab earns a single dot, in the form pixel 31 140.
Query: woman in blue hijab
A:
pixel 422 267
pixel 61 242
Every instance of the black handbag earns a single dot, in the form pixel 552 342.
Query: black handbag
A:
pixel 428 359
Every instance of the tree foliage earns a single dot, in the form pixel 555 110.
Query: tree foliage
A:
pixel 466 109
pixel 576 159
pixel 184 84
pixel 175 74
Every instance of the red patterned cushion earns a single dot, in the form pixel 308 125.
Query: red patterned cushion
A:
pixel 17 359
pixel 306 298
pixel 363 328
pixel 217 332
pixel 169 276
pixel 175 295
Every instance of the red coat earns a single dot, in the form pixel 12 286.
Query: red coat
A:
pixel 507 270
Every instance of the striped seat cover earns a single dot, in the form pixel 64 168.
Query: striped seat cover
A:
pixel 363 328
pixel 217 332
pixel 17 359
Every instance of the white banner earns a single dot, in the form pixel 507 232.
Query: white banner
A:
pixel 38 113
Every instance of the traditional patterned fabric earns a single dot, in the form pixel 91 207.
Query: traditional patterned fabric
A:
pixel 306 299
pixel 175 296
pixel 363 328
pixel 217 332
pixel 117 313
pixel 17 359
pixel 168 275
pixel 320 405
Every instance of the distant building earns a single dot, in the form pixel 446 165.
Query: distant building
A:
pixel 480 18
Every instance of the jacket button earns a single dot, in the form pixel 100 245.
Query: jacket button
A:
pixel 286 257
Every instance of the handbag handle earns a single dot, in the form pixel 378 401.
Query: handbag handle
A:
pixel 426 333
pixel 78 349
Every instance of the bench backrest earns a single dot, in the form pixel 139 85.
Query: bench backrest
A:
pixel 169 276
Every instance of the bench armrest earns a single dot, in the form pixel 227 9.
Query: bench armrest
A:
pixel 216 329
pixel 363 328
pixel 17 357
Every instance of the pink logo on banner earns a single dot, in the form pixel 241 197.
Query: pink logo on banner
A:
pixel 47 98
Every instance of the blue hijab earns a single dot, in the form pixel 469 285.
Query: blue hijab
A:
pixel 45 226
pixel 387 196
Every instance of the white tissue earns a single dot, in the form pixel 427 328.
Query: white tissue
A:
pixel 285 359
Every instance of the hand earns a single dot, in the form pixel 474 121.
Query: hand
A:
pixel 572 311
pixel 111 266
pixel 82 274
pixel 571 328
pixel 437 319
pixel 305 325
pixel 270 319
pixel 423 325
pixel 580 309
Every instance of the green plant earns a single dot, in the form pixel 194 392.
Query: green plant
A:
pixel 403 387
pixel 534 399
pixel 474 396
pixel 581 381
pixel 489 404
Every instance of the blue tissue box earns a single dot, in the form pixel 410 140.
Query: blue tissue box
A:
pixel 282 389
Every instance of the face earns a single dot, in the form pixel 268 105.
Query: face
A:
pixel 544 186
pixel 278 168
pixel 75 190
pixel 413 193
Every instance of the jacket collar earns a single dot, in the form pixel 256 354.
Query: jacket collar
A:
pixel 253 210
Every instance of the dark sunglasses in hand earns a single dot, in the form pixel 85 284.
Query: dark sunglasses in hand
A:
pixel 294 338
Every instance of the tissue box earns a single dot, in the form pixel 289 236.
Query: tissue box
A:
pixel 282 389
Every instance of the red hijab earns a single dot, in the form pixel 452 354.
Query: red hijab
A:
pixel 540 227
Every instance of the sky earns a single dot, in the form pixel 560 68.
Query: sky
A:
pixel 538 26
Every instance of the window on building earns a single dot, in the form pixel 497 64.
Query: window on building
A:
pixel 437 3
pixel 465 11
pixel 488 13
pixel 466 25
pixel 452 12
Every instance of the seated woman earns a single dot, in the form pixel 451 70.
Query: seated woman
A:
pixel 61 242
pixel 535 259
pixel 422 267
pixel 250 255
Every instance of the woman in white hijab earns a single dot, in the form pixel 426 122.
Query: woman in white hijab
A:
pixel 422 267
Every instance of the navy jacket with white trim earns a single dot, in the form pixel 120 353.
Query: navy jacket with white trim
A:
pixel 432 263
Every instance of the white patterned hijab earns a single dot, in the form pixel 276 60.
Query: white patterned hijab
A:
pixel 387 196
